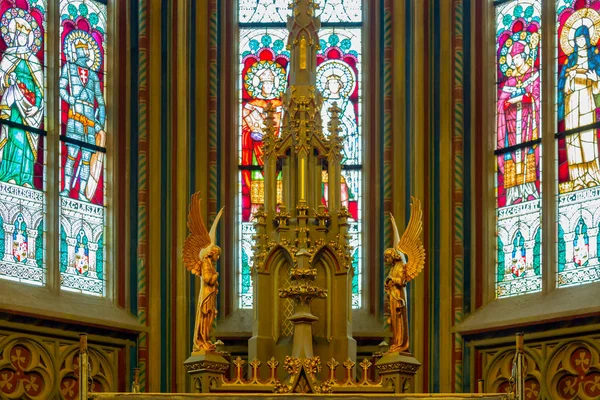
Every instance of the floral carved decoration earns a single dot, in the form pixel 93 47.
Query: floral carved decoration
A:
pixel 574 372
pixel 498 375
pixel 25 371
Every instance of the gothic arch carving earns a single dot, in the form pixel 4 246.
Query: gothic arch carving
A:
pixel 282 260
pixel 499 369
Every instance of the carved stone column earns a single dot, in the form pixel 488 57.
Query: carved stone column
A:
pixel 397 370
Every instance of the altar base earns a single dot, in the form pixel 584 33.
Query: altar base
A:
pixel 206 370
pixel 397 370
pixel 262 396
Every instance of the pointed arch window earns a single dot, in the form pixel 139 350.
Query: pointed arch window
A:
pixel 39 143
pixel 263 79
pixel 526 136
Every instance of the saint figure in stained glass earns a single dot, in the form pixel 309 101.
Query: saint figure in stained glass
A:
pixel 20 244
pixel 80 88
pixel 581 243
pixel 519 117
pixel 264 82
pixel 21 95
pixel 335 81
pixel 578 88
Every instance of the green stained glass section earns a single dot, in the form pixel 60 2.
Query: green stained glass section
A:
pixel 39 247
pixel 2 243
pixel 562 249
pixel 64 250
pixel 100 258
pixel 578 240
pixel 500 256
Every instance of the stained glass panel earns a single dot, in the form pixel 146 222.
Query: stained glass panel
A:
pixel 22 140
pixel 277 11
pixel 263 79
pixel 578 113
pixel 518 128
pixel 83 141
pixel 338 77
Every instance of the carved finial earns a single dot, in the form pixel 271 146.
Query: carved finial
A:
pixel 255 363
pixel 349 364
pixel 332 364
pixel 272 363
pixel 238 362
pixel 365 365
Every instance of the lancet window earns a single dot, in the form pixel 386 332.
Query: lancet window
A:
pixel 263 79
pixel 527 134
pixel 46 167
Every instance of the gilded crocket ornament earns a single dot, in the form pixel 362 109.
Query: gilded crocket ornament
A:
pixel 200 253
pixel 407 259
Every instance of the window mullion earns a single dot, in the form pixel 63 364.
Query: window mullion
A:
pixel 549 233
pixel 52 150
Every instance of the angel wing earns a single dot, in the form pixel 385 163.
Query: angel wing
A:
pixel 198 238
pixel 410 243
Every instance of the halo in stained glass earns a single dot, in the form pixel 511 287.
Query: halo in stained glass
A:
pixel 335 70
pixel 339 81
pixel 261 71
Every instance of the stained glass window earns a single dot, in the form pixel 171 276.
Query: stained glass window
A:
pixel 83 138
pixel 578 127
pixel 263 79
pixel 518 147
pixel 81 40
pixel 22 140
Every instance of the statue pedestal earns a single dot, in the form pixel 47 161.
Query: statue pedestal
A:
pixel 397 370
pixel 206 370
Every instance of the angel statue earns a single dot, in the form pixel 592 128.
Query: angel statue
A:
pixel 407 259
pixel 200 253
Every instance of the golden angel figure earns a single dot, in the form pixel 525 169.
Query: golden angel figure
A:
pixel 200 253
pixel 407 259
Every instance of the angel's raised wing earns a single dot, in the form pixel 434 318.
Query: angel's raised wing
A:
pixel 198 238
pixel 410 244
